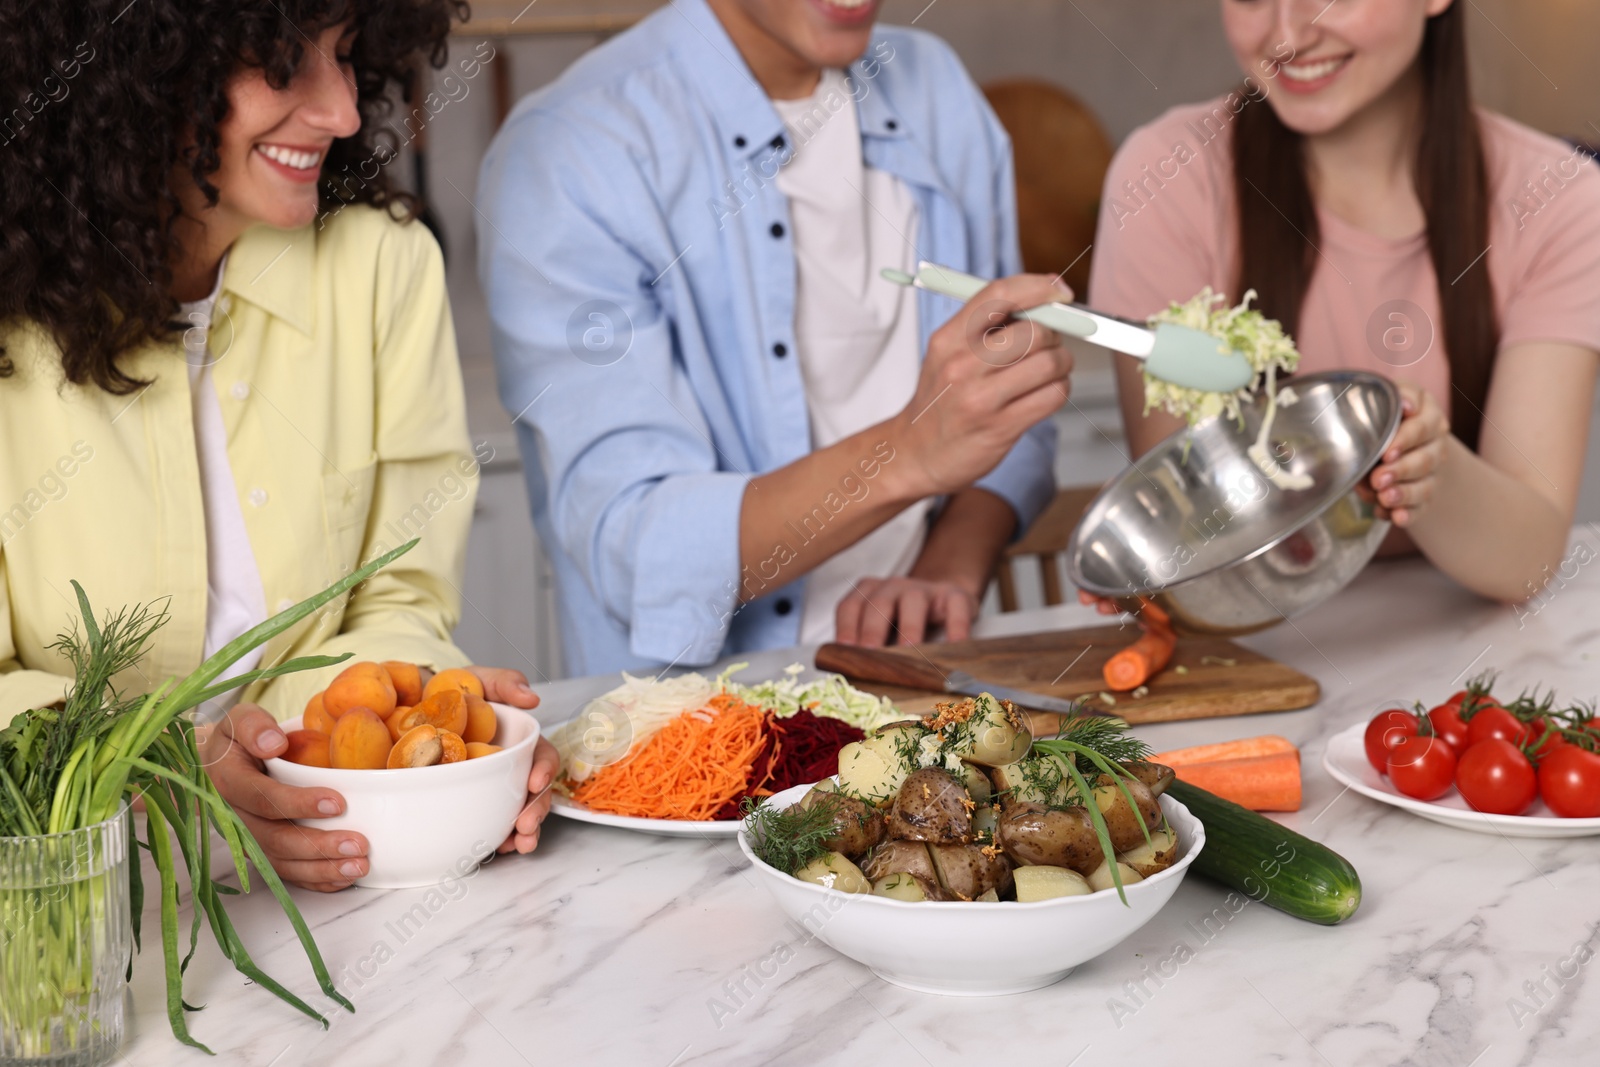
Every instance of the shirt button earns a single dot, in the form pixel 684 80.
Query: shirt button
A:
pixel 777 142
pixel 892 124
pixel 780 350
pixel 240 390
pixel 777 229
pixel 738 142
pixel 783 605
pixel 258 497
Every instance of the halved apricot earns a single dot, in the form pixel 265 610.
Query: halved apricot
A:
pixel 451 748
pixel 456 678
pixel 308 748
pixel 360 685
pixel 402 721
pixel 446 709
pixel 360 741
pixel 477 749
pixel 419 747
pixel 316 716
pixel 481 723
pixel 407 681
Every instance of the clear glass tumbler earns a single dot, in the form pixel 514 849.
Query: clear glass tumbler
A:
pixel 65 939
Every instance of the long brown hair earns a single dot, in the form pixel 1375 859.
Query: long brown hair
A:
pixel 1278 228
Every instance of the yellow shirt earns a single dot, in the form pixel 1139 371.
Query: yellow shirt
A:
pixel 335 366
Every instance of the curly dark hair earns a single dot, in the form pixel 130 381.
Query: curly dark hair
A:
pixel 98 99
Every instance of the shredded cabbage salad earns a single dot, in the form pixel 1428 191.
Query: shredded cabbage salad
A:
pixel 830 695
pixel 1259 339
pixel 1264 346
pixel 617 722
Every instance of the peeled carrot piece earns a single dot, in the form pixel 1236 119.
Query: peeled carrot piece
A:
pixel 1260 783
pixel 1140 661
pixel 1245 747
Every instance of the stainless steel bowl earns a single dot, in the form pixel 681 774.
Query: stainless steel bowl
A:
pixel 1195 526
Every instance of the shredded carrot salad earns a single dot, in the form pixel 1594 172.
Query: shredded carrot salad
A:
pixel 693 766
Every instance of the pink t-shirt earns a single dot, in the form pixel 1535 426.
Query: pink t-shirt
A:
pixel 1168 228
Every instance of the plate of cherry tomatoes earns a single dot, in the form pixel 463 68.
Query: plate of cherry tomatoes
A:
pixel 1524 768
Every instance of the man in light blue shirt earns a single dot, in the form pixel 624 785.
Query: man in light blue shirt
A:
pixel 671 340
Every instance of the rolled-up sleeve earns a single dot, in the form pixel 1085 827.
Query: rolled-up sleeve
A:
pixel 570 250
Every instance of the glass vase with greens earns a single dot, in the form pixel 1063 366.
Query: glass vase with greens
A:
pixel 71 888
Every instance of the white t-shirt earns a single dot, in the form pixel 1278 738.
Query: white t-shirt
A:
pixel 855 334
pixel 235 599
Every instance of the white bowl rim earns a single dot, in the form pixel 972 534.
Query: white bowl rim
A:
pixel 348 774
pixel 1191 850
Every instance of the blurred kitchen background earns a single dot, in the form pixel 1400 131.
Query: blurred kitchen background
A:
pixel 1122 61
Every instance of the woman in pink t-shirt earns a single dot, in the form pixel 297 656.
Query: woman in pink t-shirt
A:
pixel 1392 227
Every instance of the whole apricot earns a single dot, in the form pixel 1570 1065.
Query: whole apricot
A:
pixel 316 716
pixel 360 741
pixel 419 747
pixel 360 685
pixel 455 678
pixel 308 748
pixel 477 749
pixel 481 723
pixel 407 681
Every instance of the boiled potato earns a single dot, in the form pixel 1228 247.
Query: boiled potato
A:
pixel 1121 823
pixel 904 886
pixel 832 870
pixel 931 806
pixel 995 734
pixel 989 896
pixel 1046 883
pixel 863 773
pixel 1156 855
pixel 1051 838
pixel 968 871
pixel 1038 781
pixel 1155 776
pixel 977 783
pixel 986 822
pixel 857 825
pixel 1100 877
pixel 900 857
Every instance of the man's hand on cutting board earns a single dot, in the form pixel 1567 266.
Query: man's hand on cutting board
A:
pixel 908 608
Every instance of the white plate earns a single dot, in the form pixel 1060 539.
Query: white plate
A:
pixel 1346 760
pixel 560 805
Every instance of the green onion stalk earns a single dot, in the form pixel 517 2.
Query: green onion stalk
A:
pixel 77 766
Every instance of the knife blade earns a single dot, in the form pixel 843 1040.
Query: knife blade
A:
pixel 919 672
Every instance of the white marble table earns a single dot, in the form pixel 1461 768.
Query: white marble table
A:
pixel 611 948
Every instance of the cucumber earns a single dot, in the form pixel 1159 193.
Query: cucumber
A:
pixel 1269 863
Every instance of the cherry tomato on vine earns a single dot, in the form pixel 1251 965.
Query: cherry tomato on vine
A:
pixel 1495 777
pixel 1493 721
pixel 1544 737
pixel 1447 723
pixel 1569 782
pixel 1386 730
pixel 1422 767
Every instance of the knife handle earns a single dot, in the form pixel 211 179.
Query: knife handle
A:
pixel 877 665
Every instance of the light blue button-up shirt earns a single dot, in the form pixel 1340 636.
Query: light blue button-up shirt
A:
pixel 640 274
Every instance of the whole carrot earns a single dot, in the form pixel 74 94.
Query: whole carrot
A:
pixel 1142 660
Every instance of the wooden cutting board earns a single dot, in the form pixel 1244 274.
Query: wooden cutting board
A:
pixel 1220 677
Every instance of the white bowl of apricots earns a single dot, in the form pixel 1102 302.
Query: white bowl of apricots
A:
pixel 432 775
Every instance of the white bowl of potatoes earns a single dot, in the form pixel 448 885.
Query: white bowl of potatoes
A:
pixel 977 876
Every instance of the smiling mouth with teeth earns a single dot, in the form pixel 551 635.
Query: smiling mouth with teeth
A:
pixel 1312 71
pixel 290 157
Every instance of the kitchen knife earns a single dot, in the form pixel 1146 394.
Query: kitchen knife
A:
pixel 1177 354
pixel 917 672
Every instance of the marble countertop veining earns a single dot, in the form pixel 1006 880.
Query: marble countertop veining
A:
pixel 604 947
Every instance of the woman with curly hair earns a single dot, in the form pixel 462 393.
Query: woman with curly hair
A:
pixel 229 372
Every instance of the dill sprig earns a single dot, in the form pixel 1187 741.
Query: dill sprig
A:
pixel 788 838
pixel 1106 736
